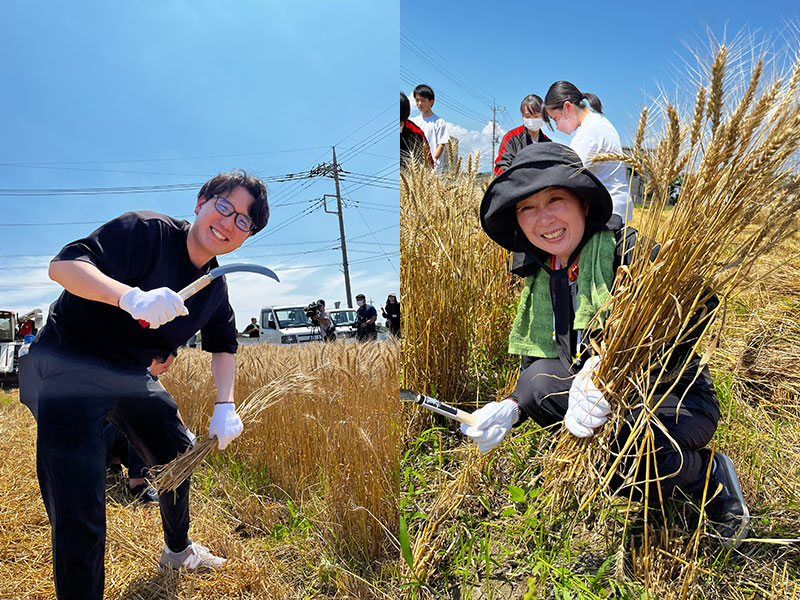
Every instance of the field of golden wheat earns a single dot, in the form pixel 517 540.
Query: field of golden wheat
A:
pixel 304 503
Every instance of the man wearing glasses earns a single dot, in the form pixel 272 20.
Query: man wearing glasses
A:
pixel 89 363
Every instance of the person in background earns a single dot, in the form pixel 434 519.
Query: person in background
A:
pixel 252 328
pixel 121 275
pixel 120 452
pixel 391 312
pixel 366 315
pixel 326 324
pixel 434 127
pixel 414 147
pixel 581 114
pixel 530 132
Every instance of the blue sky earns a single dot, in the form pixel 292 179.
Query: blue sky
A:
pixel 100 94
pixel 624 52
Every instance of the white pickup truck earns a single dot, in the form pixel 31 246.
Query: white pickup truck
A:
pixel 290 325
pixel 287 325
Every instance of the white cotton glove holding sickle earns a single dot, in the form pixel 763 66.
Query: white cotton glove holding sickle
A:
pixel 494 421
pixel 225 424
pixel 588 409
pixel 157 307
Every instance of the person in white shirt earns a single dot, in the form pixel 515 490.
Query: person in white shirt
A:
pixel 433 126
pixel 594 134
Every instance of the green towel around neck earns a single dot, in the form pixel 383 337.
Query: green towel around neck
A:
pixel 532 332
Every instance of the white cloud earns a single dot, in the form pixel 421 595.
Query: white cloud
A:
pixel 472 142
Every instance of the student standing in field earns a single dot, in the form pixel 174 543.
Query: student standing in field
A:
pixel 123 272
pixel 252 328
pixel 594 134
pixel 547 204
pixel 530 132
pixel 413 145
pixel 434 127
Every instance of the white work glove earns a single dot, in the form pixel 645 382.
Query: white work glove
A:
pixel 157 306
pixel 494 421
pixel 225 424
pixel 191 437
pixel 588 409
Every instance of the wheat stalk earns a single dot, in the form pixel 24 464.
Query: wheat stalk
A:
pixel 167 478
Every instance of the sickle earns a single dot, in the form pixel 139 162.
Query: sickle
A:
pixel 201 282
pixel 438 407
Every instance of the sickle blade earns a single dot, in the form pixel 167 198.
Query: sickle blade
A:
pixel 242 268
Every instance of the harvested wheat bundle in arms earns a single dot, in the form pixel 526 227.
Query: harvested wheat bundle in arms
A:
pixel 168 478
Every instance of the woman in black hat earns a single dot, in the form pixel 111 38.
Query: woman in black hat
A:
pixel 560 216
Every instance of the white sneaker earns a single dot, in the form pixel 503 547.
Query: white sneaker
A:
pixel 195 559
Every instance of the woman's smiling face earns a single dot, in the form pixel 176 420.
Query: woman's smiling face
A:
pixel 553 220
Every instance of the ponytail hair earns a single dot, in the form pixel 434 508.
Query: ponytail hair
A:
pixel 564 91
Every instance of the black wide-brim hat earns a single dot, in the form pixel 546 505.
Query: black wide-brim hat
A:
pixel 533 169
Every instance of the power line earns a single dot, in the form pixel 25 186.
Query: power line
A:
pixel 425 56
pixel 377 241
pixel 411 79
pixel 140 160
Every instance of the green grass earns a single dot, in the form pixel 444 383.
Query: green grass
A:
pixel 506 542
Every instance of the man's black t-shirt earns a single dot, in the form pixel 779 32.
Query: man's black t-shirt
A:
pixel 146 250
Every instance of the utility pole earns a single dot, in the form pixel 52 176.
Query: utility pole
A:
pixel 494 127
pixel 338 211
pixel 495 108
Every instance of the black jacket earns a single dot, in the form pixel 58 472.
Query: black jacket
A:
pixel 514 141
pixel 527 264
pixel 414 146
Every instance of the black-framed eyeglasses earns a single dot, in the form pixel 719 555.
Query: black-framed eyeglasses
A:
pixel 225 208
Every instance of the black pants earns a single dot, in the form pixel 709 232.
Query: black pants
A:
pixel 542 393
pixel 71 398
pixel 116 445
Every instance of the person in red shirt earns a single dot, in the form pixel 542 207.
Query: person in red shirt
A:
pixel 413 145
pixel 530 132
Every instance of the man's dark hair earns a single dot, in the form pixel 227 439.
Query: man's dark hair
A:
pixel 225 182
pixel 425 91
pixel 321 301
pixel 405 108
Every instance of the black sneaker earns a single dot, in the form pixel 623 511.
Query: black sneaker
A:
pixel 143 493
pixel 727 511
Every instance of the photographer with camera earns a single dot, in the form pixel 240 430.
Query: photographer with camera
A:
pixel 317 313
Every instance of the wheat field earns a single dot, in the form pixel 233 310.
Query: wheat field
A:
pixel 304 503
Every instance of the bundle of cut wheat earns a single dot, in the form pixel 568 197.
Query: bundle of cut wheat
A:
pixel 169 477
pixel 736 163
